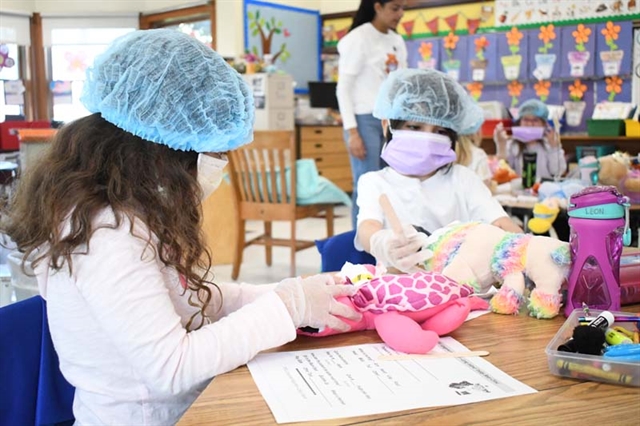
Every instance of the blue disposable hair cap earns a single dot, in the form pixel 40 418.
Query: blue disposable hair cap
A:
pixel 169 88
pixel 427 96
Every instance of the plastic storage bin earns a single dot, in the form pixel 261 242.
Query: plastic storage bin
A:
pixel 604 127
pixel 590 367
pixel 632 128
pixel 595 150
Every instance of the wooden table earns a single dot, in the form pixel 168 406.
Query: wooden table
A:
pixel 517 347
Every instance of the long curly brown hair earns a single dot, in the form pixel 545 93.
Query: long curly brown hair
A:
pixel 92 165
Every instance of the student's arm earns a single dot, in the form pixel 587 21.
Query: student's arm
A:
pixel 481 204
pixel 365 230
pixel 501 140
pixel 127 292
pixel 556 163
pixel 507 224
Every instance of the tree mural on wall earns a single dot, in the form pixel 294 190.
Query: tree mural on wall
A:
pixel 267 28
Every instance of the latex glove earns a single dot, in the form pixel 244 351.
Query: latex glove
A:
pixel 312 302
pixel 403 252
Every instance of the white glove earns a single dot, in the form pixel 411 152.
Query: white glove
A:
pixel 402 252
pixel 311 302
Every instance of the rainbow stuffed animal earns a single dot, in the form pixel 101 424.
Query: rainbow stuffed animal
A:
pixel 480 255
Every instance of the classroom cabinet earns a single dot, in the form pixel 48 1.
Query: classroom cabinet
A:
pixel 274 101
pixel 325 144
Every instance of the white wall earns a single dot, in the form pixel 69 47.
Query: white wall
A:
pixel 335 6
pixel 17 6
pixel 229 25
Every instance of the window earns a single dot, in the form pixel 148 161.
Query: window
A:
pixel 71 48
pixel 200 30
pixel 197 21
pixel 9 72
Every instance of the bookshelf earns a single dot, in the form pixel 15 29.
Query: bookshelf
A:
pixel 627 144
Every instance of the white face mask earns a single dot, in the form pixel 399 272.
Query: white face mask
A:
pixel 210 173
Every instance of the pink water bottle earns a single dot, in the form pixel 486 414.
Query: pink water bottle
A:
pixel 599 220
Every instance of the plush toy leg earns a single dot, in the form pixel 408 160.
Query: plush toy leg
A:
pixel 404 334
pixel 544 305
pixel 459 271
pixel 509 297
pixel 449 318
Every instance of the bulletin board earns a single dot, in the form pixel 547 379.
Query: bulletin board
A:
pixel 584 58
pixel 292 35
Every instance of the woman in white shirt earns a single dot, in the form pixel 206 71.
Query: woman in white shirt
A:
pixel 370 51
pixel 423 111
pixel 111 219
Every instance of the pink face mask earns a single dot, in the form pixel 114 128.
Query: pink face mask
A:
pixel 527 134
pixel 417 153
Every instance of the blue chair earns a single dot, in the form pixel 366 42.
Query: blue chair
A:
pixel 337 250
pixel 34 392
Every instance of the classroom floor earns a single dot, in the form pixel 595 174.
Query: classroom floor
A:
pixel 254 269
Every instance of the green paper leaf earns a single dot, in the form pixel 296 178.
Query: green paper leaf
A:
pixel 279 23
pixel 277 31
pixel 258 14
pixel 542 50
pixel 580 47
pixel 261 22
pixel 268 26
pixel 254 32
pixel 612 96
pixel 250 15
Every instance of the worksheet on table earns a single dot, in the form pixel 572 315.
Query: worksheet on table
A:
pixel 352 381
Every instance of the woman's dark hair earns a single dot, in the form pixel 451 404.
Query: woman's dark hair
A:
pixel 366 12
pixel 92 165
pixel 396 124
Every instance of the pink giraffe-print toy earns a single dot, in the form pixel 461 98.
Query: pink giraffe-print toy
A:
pixel 410 311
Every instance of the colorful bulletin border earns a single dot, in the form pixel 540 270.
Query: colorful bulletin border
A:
pixel 285 33
pixel 426 22
pixel 527 12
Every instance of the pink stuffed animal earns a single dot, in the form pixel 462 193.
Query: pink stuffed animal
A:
pixel 409 312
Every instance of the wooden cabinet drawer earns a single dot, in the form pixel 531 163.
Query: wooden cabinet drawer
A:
pixel 330 160
pixel 344 184
pixel 325 133
pixel 318 147
pixel 335 173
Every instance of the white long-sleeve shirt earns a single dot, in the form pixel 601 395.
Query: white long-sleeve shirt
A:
pixel 550 162
pixel 366 57
pixel 118 326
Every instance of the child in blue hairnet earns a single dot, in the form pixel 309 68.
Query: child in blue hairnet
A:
pixel 111 219
pixel 424 111
pixel 532 133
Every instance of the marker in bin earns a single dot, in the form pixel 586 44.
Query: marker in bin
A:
pixel 590 338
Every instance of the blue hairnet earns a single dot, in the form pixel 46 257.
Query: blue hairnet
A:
pixel 534 107
pixel 427 96
pixel 169 88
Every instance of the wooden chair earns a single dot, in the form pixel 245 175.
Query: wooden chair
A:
pixel 262 194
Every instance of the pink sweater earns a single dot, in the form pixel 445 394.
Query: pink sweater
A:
pixel 118 326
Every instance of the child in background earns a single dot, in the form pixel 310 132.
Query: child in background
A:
pixel 532 133
pixel 423 111
pixel 472 156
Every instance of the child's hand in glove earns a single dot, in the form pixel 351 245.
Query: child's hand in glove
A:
pixel 403 252
pixel 312 302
